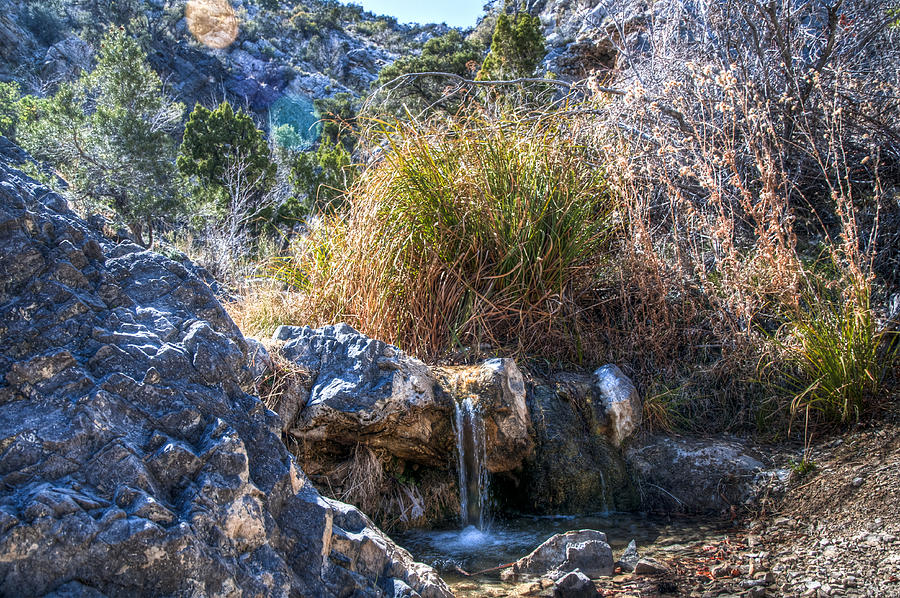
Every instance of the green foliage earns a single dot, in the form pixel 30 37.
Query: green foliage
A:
pixel 9 108
pixel 517 48
pixel 109 134
pixel 214 141
pixel 44 19
pixel 487 231
pixel 803 467
pixel 322 176
pixel 836 356
pixel 448 53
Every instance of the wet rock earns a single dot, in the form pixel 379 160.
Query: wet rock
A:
pixel 574 584
pixel 498 390
pixel 131 452
pixel 620 401
pixel 695 474
pixel 586 550
pixel 575 467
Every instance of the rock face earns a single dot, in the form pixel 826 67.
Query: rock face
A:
pixel 132 459
pixel 693 474
pixel 586 550
pixel 365 391
pixel 575 467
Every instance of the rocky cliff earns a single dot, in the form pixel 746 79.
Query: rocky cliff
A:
pixel 271 50
pixel 133 459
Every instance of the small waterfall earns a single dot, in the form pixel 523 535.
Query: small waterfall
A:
pixel 473 476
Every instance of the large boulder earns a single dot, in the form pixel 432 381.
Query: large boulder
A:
pixel 132 457
pixel 575 466
pixel 363 390
pixel 695 474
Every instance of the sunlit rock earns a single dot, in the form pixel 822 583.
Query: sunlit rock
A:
pixel 212 22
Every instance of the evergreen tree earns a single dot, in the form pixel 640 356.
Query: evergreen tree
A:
pixel 109 135
pixel 213 144
pixel 448 53
pixel 517 47
pixel 322 175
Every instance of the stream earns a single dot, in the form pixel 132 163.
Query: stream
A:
pixel 502 542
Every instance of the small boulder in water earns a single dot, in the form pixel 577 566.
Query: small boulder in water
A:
pixel 574 584
pixel 585 549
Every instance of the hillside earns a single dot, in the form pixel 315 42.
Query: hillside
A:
pixel 308 49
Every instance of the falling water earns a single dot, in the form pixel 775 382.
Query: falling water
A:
pixel 472 472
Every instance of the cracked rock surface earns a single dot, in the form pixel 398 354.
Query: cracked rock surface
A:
pixel 133 458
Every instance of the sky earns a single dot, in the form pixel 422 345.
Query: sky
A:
pixel 458 13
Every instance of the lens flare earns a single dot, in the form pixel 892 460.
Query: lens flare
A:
pixel 212 22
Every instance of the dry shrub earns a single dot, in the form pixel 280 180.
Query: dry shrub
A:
pixel 483 231
pixel 749 139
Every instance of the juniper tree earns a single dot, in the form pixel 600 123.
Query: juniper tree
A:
pixel 109 135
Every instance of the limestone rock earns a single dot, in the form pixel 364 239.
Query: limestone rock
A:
pixel 67 58
pixel 629 558
pixel 695 474
pixel 131 454
pixel 649 566
pixel 498 389
pixel 574 585
pixel 585 549
pixel 574 468
pixel 621 402
pixel 364 390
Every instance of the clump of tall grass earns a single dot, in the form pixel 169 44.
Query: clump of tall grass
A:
pixel 483 231
pixel 836 357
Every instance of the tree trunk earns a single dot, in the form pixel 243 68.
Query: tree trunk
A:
pixel 137 231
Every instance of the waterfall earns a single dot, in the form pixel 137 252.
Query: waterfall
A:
pixel 473 476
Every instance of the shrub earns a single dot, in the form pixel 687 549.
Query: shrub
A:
pixel 485 231
pixel 836 357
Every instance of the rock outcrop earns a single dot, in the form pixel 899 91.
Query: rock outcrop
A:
pixel 576 466
pixel 694 474
pixel 365 410
pixel 132 458
pixel 363 390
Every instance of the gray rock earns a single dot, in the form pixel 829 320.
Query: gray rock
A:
pixel 585 549
pixel 649 566
pixel 364 390
pixel 695 474
pixel 629 558
pixel 133 455
pixel 66 59
pixel 621 402
pixel 574 585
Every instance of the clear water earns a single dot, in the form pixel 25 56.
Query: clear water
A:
pixel 473 475
pixel 472 550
